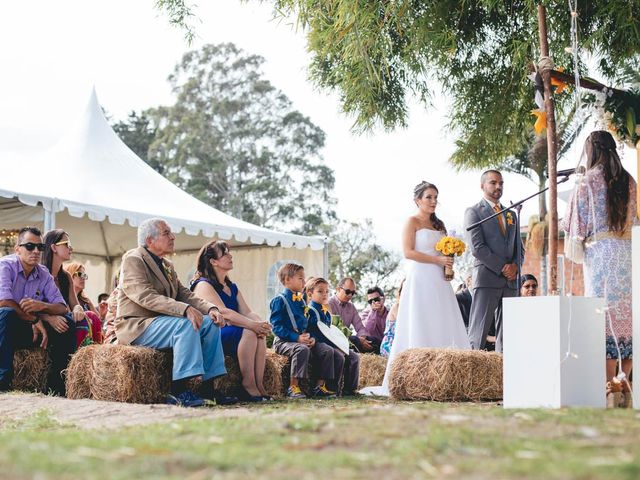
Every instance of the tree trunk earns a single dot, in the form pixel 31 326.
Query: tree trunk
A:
pixel 542 199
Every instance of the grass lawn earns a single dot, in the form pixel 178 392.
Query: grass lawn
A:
pixel 361 438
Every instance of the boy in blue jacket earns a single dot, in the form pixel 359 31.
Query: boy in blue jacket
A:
pixel 291 338
pixel 317 290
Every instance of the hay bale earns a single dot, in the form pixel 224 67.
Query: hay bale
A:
pixel 276 374
pixel 272 381
pixel 30 369
pixel 79 372
pixel 119 373
pixel 228 384
pixel 124 373
pixel 372 368
pixel 446 375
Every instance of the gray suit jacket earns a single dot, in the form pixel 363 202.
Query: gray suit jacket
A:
pixel 490 248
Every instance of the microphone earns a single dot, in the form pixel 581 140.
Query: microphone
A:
pixel 570 171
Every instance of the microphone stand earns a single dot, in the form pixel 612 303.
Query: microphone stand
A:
pixel 517 207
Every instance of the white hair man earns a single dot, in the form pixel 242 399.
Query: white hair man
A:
pixel 155 310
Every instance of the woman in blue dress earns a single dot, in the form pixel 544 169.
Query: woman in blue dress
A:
pixel 244 335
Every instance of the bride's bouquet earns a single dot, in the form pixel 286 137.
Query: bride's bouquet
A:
pixel 450 246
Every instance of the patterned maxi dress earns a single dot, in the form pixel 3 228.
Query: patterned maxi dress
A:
pixel 607 254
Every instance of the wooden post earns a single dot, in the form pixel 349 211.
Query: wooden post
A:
pixel 552 155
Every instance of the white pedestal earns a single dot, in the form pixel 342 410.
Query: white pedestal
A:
pixel 538 332
pixel 635 289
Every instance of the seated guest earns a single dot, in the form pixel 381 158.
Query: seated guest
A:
pixel 292 339
pixel 340 304
pixel 155 310
pixel 374 317
pixel 89 329
pixel 463 296
pixel 528 285
pixel 58 250
pixel 27 293
pixel 103 300
pixel 109 324
pixel 347 366
pixel 244 334
pixel 390 327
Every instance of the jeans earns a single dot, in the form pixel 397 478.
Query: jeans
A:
pixel 194 353
pixel 16 333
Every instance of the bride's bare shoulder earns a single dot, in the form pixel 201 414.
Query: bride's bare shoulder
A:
pixel 415 223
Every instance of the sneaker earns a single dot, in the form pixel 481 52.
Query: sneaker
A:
pixel 351 393
pixel 295 392
pixel 323 392
pixel 225 399
pixel 185 399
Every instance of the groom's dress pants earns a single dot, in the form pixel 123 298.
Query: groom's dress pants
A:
pixel 487 305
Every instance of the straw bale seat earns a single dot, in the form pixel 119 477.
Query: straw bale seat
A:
pixel 446 375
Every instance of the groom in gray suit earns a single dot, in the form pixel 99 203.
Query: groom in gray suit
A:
pixel 493 244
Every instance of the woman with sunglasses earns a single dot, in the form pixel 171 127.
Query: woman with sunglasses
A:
pixel 89 329
pixel 244 335
pixel 57 250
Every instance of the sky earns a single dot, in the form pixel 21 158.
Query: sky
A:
pixel 53 53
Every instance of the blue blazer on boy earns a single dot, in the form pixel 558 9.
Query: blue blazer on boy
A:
pixel 281 320
pixel 325 317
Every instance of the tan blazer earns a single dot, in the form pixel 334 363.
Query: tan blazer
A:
pixel 145 293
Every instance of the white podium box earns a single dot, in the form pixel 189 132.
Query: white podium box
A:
pixel 635 290
pixel 537 334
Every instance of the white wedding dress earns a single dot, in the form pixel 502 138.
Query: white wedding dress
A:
pixel 428 315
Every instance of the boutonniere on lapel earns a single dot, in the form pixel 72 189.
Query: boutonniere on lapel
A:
pixel 168 272
pixel 306 310
pixel 509 218
pixel 325 309
pixel 296 297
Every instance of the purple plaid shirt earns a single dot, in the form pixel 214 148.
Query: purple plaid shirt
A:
pixel 39 285
pixel 374 322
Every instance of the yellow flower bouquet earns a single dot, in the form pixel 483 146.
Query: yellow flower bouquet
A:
pixel 450 246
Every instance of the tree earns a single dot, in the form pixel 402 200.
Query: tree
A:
pixel 138 133
pixel 379 54
pixel 353 252
pixel 234 141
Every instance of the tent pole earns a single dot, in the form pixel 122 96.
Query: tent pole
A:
pixel 325 259
pixel 49 219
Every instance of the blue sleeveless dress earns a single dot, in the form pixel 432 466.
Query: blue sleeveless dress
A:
pixel 229 334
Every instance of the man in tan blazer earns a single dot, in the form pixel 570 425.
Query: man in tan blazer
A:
pixel 155 310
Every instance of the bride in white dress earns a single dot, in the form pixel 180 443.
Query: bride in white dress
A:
pixel 429 315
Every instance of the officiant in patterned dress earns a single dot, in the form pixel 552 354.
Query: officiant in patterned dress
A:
pixel 600 214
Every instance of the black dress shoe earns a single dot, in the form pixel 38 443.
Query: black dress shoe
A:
pixel 245 396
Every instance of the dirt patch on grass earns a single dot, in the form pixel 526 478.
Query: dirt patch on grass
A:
pixel 97 414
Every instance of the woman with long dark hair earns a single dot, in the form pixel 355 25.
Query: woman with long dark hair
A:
pixel 428 315
pixel 598 222
pixel 244 335
pixel 57 250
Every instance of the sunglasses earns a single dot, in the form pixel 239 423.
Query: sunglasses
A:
pixel 30 246
pixel 348 292
pixel 64 242
pixel 82 275
pixel 376 300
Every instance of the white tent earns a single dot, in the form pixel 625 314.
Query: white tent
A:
pixel 93 186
